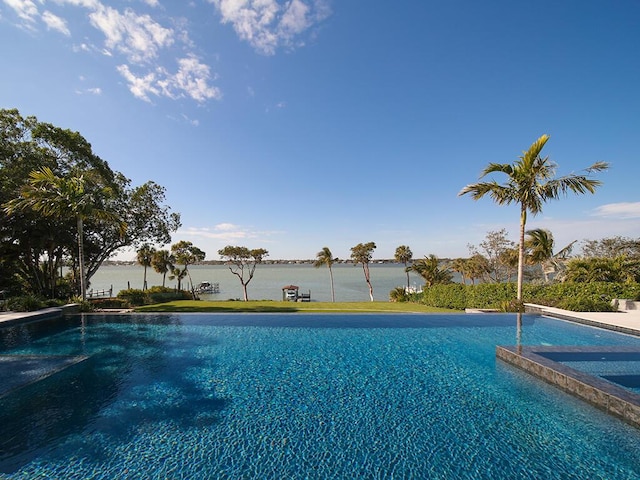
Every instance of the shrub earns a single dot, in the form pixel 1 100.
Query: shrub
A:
pixel 25 303
pixel 398 294
pixel 134 297
pixel 110 303
pixel 164 294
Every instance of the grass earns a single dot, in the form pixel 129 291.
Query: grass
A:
pixel 267 306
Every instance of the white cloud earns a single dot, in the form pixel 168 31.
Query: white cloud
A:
pixel 623 210
pixel 191 80
pixel 267 24
pixel 229 234
pixel 138 37
pixel 92 91
pixel 25 9
pixel 54 22
pixel 140 86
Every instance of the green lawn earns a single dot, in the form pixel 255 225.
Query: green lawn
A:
pixel 291 307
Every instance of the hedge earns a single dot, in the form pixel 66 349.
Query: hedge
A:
pixel 594 296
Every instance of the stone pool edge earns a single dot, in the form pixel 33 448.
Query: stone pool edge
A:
pixel 598 392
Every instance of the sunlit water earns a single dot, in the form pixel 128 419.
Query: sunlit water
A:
pixel 267 283
pixel 305 396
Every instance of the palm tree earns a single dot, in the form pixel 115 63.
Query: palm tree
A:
pixel 145 257
pixel 539 246
pixel 62 197
pixel 404 255
pixel 325 257
pixel 429 269
pixel 186 253
pixel 530 183
pixel 162 262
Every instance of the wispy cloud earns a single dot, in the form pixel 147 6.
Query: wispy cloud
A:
pixel 156 58
pixel 624 210
pixel 224 232
pixel 142 46
pixel 25 9
pixel 268 24
pixel 136 36
pixel 54 22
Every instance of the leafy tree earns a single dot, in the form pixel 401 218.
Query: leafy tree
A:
pixel 478 268
pixel 57 197
pixel 242 263
pixel 495 249
pixel 144 212
pixel 429 269
pixel 185 253
pixel 611 247
pixel 530 183
pixel 33 247
pixel 325 257
pixel 144 257
pixel 363 253
pixel 404 255
pixel 162 262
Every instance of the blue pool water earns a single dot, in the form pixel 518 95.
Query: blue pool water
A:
pixel 304 396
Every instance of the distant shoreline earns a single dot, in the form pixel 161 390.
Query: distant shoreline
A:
pixel 385 261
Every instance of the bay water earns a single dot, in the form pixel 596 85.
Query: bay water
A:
pixel 269 279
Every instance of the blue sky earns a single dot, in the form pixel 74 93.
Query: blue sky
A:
pixel 293 125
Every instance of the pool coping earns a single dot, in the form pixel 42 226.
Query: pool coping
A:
pixel 597 391
pixel 26 367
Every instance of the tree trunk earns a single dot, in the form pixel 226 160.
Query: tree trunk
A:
pixel 333 294
pixel 523 221
pixel 406 269
pixel 365 269
pixel 83 281
pixel 244 292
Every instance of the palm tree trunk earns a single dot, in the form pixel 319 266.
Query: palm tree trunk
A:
pixel 523 221
pixel 406 269
pixel 333 294
pixel 83 282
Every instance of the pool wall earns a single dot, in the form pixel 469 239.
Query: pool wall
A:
pixel 615 400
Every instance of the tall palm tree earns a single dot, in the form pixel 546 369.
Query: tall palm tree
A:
pixel 325 257
pixel 530 183
pixel 62 197
pixel 162 262
pixel 404 255
pixel 145 257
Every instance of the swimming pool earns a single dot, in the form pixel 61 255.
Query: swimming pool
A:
pixel 304 396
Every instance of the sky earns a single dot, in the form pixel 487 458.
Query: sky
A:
pixel 294 125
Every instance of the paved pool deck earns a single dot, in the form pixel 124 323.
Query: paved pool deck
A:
pixel 626 321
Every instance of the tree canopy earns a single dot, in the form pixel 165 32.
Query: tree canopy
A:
pixel 242 263
pixel 363 253
pixel 34 245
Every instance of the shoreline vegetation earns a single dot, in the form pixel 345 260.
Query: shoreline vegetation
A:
pixel 268 306
pixel 346 261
